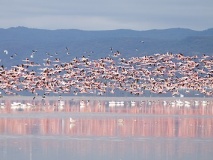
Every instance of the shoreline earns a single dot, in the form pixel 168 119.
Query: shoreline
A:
pixel 102 98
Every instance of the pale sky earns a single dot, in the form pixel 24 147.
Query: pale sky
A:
pixel 107 14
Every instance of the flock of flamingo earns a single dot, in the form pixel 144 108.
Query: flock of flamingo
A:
pixel 157 74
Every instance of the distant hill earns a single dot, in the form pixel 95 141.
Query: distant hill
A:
pixel 97 44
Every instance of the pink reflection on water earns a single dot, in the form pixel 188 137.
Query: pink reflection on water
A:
pixel 143 119
pixel 81 129
pixel 156 107
pixel 110 127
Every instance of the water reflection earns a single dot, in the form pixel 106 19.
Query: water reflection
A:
pixel 170 107
pixel 111 127
pixel 99 129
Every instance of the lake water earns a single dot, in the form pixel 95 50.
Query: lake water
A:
pixel 103 129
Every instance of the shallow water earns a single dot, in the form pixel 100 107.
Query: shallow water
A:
pixel 102 129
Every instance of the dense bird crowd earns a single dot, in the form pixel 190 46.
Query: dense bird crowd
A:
pixel 158 74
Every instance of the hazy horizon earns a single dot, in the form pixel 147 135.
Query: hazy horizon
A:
pixel 151 29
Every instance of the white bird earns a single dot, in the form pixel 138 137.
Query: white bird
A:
pixel 120 120
pixel 72 120
pixel 6 51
